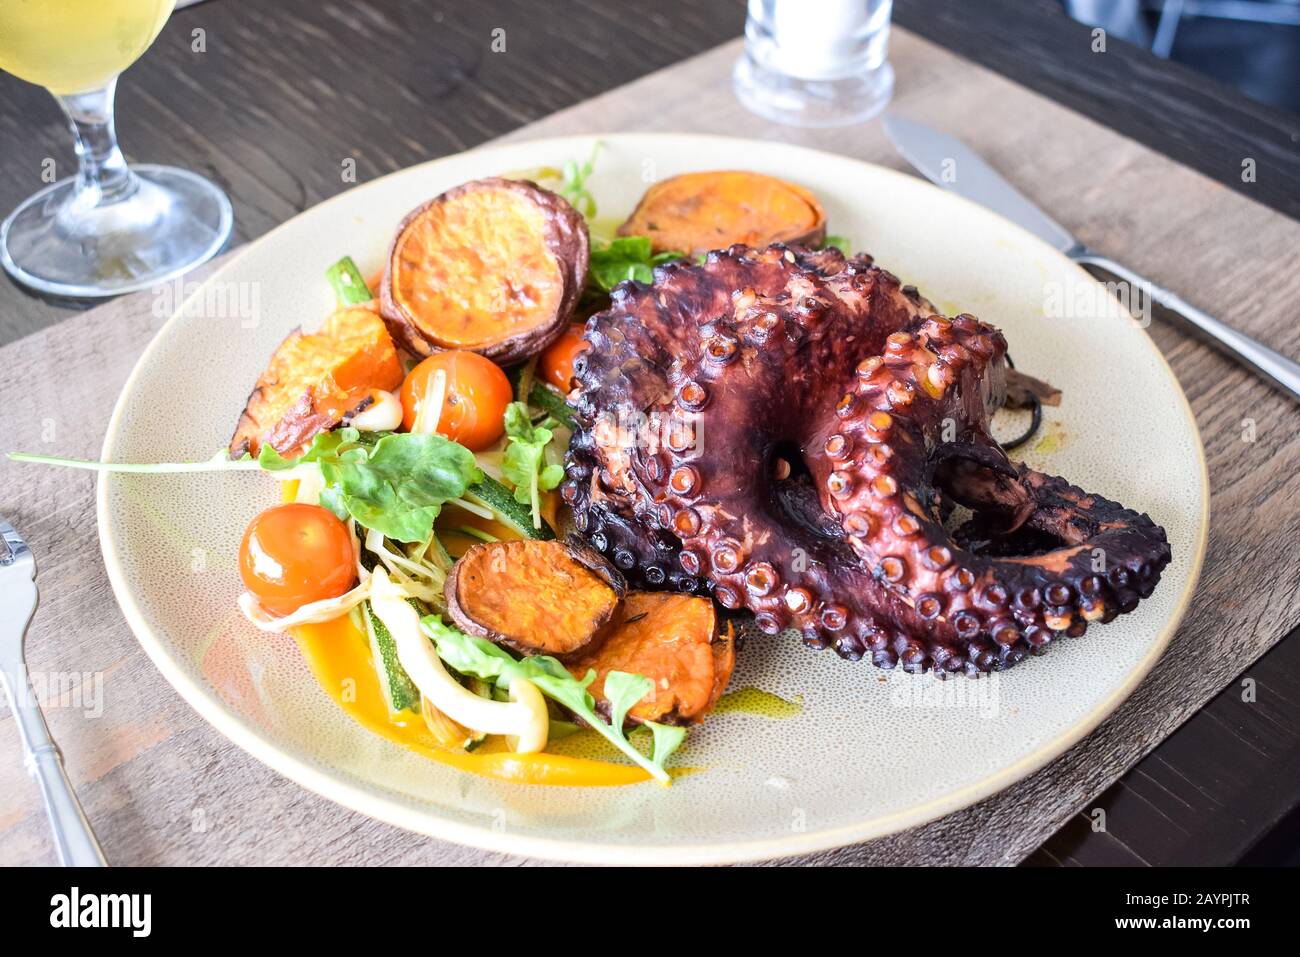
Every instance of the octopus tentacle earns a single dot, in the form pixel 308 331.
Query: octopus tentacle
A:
pixel 743 520
pixel 1103 558
pixel 627 401
pixel 791 430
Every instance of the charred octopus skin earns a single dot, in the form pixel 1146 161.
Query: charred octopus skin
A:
pixel 912 439
pixel 640 413
pixel 791 430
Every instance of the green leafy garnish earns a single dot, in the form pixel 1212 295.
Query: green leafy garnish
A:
pixel 393 483
pixel 347 282
pixel 524 462
pixel 574 187
pixel 627 257
pixel 841 243
pixel 480 658
pixel 221 462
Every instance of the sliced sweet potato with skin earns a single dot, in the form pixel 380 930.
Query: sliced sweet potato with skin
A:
pixel 316 379
pixel 494 266
pixel 724 663
pixel 697 212
pixel 536 597
pixel 673 640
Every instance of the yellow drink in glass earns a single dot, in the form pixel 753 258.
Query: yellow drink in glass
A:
pixel 110 228
pixel 70 46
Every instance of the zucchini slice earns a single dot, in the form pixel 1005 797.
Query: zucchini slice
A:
pixel 400 692
pixel 492 495
pixel 550 401
pixel 545 397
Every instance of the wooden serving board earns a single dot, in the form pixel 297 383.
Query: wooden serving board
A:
pixel 164 788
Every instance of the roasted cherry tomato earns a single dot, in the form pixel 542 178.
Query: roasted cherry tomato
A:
pixel 474 399
pixel 556 362
pixel 296 553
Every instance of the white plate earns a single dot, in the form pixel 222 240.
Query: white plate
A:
pixel 872 751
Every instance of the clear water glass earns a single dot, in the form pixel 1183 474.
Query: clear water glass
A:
pixel 816 62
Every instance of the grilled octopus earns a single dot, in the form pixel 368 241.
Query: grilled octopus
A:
pixel 798 434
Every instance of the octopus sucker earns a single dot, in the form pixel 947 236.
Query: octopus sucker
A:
pixel 793 431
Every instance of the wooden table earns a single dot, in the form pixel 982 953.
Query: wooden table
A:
pixel 261 112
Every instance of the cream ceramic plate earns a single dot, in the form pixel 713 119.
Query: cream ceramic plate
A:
pixel 871 752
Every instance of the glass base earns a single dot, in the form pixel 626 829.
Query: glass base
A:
pixel 812 103
pixel 63 242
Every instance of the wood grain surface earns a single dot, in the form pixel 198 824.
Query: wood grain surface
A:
pixel 1167 106
pixel 280 94
pixel 1222 789
pixel 162 787
pixel 277 96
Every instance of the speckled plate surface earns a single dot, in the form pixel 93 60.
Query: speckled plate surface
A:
pixel 870 752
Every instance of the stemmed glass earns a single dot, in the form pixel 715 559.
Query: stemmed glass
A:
pixel 111 228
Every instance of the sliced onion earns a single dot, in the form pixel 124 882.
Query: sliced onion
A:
pixel 313 612
pixel 430 410
pixel 424 582
pixel 524 717
pixel 472 508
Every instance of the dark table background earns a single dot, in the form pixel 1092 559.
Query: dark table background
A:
pixel 274 124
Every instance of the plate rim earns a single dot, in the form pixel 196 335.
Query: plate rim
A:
pixel 361 799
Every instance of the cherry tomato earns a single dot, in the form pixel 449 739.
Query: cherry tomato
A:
pixel 473 403
pixel 296 553
pixel 556 362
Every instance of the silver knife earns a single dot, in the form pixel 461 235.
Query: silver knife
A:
pixel 951 164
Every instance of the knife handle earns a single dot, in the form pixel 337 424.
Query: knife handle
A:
pixel 1283 372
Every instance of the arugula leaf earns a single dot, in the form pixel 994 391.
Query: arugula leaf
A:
pixel 623 690
pixel 524 462
pixel 331 497
pixel 627 257
pixel 667 739
pixel 467 654
pixel 394 483
pixel 574 187
pixel 479 658
pixel 842 243
pixel 324 445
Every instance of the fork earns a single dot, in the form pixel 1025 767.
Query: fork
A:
pixel 73 837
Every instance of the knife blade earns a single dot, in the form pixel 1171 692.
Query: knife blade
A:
pixel 952 165
pixel 949 163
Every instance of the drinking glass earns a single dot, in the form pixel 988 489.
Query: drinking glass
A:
pixel 110 228
pixel 816 62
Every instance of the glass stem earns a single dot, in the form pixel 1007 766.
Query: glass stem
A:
pixel 102 176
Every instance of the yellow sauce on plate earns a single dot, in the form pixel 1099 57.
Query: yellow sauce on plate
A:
pixel 339 656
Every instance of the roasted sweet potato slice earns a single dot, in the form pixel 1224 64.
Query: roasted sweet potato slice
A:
pixel 696 212
pixel 674 641
pixel 315 379
pixel 536 597
pixel 494 266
